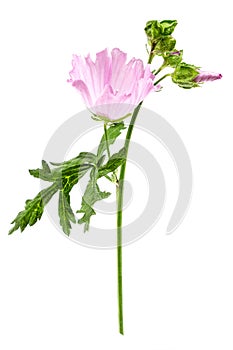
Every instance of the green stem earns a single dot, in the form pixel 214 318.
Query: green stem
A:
pixel 151 55
pixel 106 139
pixel 120 193
pixel 114 179
pixel 156 72
pixel 165 76
pixel 119 197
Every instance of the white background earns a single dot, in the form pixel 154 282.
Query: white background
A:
pixel 178 289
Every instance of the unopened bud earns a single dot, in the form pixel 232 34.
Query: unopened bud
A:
pixel 173 58
pixel 207 76
pixel 184 75
pixel 155 30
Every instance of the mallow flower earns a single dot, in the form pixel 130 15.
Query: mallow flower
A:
pixel 110 87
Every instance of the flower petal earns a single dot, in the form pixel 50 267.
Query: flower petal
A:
pixel 84 69
pixel 207 76
pixel 82 88
pixel 118 63
pixel 158 88
pixel 112 105
pixel 129 75
pixel 147 73
pixel 103 70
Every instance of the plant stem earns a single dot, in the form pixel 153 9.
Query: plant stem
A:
pixel 160 69
pixel 165 76
pixel 106 139
pixel 119 195
pixel 151 55
pixel 114 179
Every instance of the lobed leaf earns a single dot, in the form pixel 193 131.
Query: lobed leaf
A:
pixel 65 212
pixel 114 162
pixel 34 209
pixel 64 176
pixel 91 195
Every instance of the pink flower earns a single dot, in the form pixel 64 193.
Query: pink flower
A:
pixel 110 87
pixel 207 76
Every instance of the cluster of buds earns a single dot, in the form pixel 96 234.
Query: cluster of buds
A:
pixel 159 36
pixel 162 43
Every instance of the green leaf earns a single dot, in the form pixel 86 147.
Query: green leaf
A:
pixel 44 173
pixel 113 163
pixel 92 193
pixel 83 157
pixel 64 176
pixel 34 209
pixel 91 196
pixel 65 212
pixel 112 133
pixel 67 173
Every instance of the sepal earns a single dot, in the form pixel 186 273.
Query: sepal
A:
pixel 184 75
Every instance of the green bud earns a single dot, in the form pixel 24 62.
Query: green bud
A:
pixel 152 30
pixel 165 44
pixel 184 75
pixel 155 30
pixel 173 58
pixel 168 26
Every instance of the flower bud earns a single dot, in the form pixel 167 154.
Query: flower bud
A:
pixel 184 75
pixel 173 58
pixel 165 44
pixel 188 76
pixel 155 29
pixel 207 76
